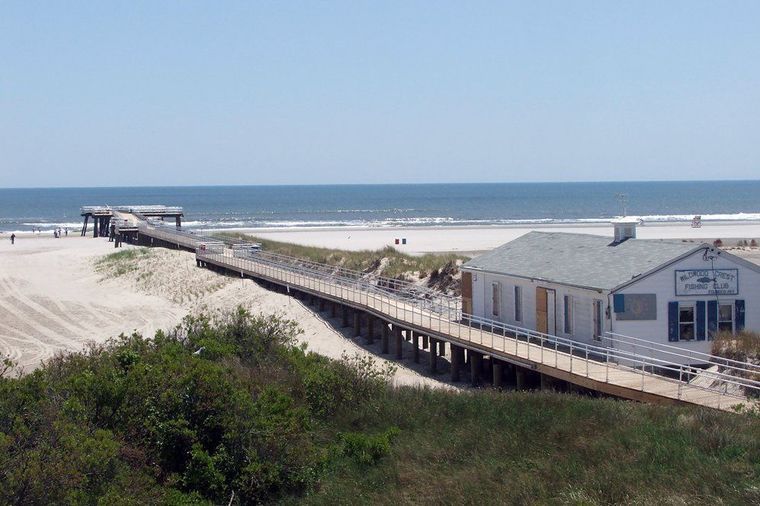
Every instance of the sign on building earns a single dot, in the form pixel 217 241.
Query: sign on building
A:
pixel 707 282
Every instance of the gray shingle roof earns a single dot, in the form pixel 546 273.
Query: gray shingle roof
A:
pixel 578 259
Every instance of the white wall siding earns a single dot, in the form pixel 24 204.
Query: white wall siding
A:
pixel 662 284
pixel 582 299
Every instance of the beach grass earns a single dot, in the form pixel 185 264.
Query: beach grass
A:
pixel 390 262
pixel 122 262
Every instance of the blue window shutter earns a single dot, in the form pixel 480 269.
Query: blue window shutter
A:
pixel 712 318
pixel 672 321
pixel 700 320
pixel 618 302
pixel 739 305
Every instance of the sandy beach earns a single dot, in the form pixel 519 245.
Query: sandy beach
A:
pixel 53 300
pixel 471 240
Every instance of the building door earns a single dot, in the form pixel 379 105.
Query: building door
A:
pixel 466 292
pixel 546 320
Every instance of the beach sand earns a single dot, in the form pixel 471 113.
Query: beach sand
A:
pixel 471 240
pixel 52 300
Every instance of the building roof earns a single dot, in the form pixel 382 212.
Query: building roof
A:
pixel 579 259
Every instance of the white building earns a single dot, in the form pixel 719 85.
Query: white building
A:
pixel 580 287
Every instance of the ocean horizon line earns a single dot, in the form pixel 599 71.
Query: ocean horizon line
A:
pixel 418 183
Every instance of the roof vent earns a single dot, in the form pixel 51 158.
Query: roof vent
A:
pixel 625 228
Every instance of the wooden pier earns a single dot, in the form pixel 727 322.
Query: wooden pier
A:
pixel 102 216
pixel 493 352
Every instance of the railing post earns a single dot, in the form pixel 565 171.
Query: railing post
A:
pixel 607 364
pixel 587 364
pixel 542 349
pixel 680 380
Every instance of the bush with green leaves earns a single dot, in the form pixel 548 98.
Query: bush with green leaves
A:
pixel 218 405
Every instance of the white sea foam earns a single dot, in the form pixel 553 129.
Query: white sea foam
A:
pixel 393 222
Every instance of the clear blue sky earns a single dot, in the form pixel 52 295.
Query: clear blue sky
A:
pixel 157 93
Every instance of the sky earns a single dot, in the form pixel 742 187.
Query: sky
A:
pixel 130 93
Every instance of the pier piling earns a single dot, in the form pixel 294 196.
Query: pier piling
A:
pixel 475 367
pixel 432 356
pixel 498 371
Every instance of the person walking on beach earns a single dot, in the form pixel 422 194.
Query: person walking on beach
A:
pixel 13 238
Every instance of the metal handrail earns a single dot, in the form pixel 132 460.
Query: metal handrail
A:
pixel 354 274
pixel 435 301
pixel 149 209
pixel 710 358
pixel 308 282
pixel 621 354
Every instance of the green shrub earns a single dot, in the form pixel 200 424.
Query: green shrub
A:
pixel 367 449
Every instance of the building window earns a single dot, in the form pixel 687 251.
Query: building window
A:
pixel 726 318
pixel 598 313
pixel 518 304
pixel 495 298
pixel 686 315
pixel 568 304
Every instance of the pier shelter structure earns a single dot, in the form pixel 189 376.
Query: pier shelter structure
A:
pixel 102 216
pixel 412 322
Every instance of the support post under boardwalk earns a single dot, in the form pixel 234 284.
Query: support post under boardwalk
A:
pixel 475 359
pixel 385 338
pixel 370 329
pixel 519 378
pixel 94 227
pixel 441 348
pixel 399 342
pixel 321 305
pixel 333 309
pixel 345 316
pixel 432 356
pixel 357 323
pixel 498 371
pixel 485 367
pixel 416 346
pixel 424 342
pixel 456 363
pixel 547 382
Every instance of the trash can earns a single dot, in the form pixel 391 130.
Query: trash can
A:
pixel 403 241
pixel 396 240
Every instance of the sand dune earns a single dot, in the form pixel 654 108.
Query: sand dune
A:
pixel 52 299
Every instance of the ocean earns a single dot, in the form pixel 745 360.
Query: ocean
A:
pixel 392 205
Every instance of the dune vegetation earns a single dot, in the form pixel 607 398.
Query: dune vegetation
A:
pixel 229 410
pixel 435 270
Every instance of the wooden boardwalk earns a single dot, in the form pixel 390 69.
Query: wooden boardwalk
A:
pixel 587 366
pixel 542 357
